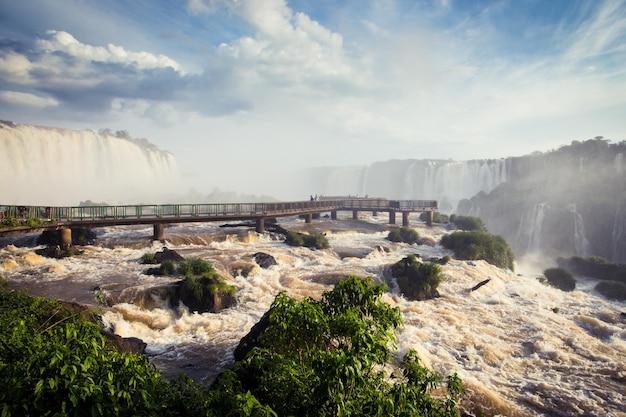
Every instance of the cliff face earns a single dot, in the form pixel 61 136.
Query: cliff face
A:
pixel 571 201
pixel 51 166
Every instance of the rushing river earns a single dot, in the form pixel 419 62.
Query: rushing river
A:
pixel 520 347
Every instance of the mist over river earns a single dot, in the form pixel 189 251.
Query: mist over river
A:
pixel 520 347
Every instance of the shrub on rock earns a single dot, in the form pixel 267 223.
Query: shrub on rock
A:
pixel 417 280
pixel 560 278
pixel 403 234
pixel 480 245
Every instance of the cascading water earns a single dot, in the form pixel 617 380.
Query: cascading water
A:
pixel 50 166
pixel 451 181
pixel 581 244
pixel 531 226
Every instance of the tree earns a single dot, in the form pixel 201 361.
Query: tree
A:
pixel 329 357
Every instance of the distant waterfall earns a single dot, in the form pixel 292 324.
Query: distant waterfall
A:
pixel 531 227
pixel 618 236
pixel 49 166
pixel 419 179
pixel 581 244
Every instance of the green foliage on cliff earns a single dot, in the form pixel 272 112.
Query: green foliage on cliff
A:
pixel 480 245
pixel 417 280
pixel 560 278
pixel 403 234
pixel 329 357
pixel 316 241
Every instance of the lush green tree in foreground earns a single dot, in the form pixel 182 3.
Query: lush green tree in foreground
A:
pixel 318 358
pixel 329 357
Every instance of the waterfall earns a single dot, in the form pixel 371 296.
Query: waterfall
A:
pixel 531 227
pixel 50 166
pixel 581 244
pixel 619 233
pixel 420 179
pixel 619 163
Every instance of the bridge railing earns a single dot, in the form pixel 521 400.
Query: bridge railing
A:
pixel 149 211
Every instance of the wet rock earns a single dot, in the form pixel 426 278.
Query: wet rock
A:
pixel 126 344
pixel 480 284
pixel 168 255
pixel 251 340
pixel 264 260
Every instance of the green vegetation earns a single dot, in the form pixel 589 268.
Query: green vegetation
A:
pixel 403 234
pixel 480 245
pixel 315 241
pixel 149 258
pixel 594 267
pixel 560 278
pixel 328 357
pixel 437 217
pixel 468 223
pixel 55 361
pixel 318 358
pixel 612 290
pixel 14 222
pixel 417 280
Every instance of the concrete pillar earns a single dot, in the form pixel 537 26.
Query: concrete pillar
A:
pixel 431 216
pixel 333 215
pixel 375 213
pixel 260 225
pixel 355 214
pixel 308 218
pixel 158 233
pixel 65 236
pixel 392 217
pixel 405 218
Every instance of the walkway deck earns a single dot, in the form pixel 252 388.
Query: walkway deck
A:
pixel 25 219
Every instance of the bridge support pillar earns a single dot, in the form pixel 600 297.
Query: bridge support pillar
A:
pixel 260 225
pixel 333 215
pixel 65 236
pixel 374 213
pixel 308 218
pixel 431 217
pixel 355 214
pixel 392 217
pixel 158 232
pixel 406 216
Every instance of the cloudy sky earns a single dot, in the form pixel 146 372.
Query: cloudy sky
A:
pixel 245 87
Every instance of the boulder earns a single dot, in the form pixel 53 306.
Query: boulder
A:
pixel 264 260
pixel 251 340
pixel 168 255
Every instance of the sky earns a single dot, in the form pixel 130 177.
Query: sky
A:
pixel 240 90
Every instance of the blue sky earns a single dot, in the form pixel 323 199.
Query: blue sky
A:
pixel 232 87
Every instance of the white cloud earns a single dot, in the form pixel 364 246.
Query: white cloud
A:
pixel 60 41
pixel 26 99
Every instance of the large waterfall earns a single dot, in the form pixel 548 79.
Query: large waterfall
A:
pixel 51 166
pixel 447 181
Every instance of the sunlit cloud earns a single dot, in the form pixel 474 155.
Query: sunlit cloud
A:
pixel 26 99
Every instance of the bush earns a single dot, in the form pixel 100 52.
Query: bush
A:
pixel 560 278
pixel 149 259
pixel 417 281
pixel 315 241
pixel 437 217
pixel 480 245
pixel 612 290
pixel 468 223
pixel 55 361
pixel 194 267
pixel 403 234
pixel 330 357
pixel 594 267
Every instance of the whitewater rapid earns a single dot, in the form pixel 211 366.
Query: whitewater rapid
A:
pixel 521 348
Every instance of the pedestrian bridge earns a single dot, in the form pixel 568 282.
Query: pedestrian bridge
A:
pixel 25 219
